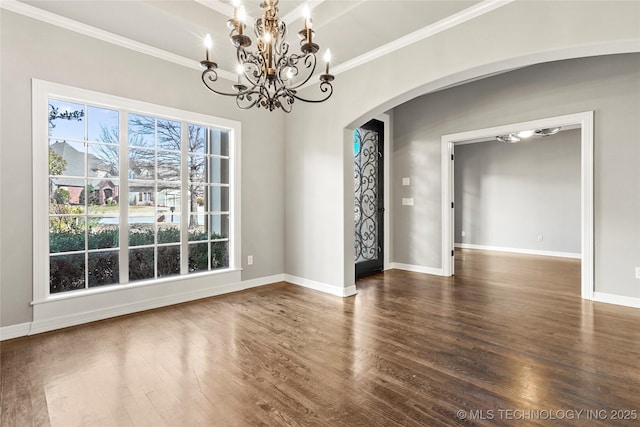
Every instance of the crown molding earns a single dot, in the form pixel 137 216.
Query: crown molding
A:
pixel 224 9
pixel 218 6
pixel 88 30
pixel 297 13
pixel 423 33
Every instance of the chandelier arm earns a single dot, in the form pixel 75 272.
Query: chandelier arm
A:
pixel 206 79
pixel 254 62
pixel 266 100
pixel 284 92
pixel 287 108
pixel 310 63
pixel 251 104
pixel 283 47
pixel 258 28
pixel 325 87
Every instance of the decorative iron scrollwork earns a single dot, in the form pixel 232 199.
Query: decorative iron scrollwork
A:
pixel 366 195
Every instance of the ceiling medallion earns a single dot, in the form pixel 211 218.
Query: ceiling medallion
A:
pixel 269 77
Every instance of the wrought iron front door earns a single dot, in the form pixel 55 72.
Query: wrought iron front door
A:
pixel 368 147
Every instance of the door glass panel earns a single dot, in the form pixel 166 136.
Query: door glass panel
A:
pixel 366 195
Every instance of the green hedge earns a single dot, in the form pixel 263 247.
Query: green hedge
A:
pixel 67 272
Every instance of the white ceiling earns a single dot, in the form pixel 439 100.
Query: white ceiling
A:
pixel 351 28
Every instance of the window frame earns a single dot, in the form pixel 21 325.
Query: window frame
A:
pixel 42 91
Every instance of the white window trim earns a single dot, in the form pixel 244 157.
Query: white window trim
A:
pixel 131 295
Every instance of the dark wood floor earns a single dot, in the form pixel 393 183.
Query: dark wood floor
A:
pixel 508 333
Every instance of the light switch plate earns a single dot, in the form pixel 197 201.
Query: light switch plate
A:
pixel 406 181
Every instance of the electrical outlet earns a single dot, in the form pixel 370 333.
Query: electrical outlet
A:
pixel 250 260
pixel 540 238
pixel 463 234
pixel 407 202
pixel 406 182
pixel 637 272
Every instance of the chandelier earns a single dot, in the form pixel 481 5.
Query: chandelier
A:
pixel 269 77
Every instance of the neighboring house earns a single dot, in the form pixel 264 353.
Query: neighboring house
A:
pixel 101 192
pixel 140 193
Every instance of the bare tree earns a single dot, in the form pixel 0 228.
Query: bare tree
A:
pixel 168 155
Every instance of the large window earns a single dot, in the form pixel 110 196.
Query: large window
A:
pixel 135 192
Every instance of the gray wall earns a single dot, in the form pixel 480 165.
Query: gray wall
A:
pixel 32 49
pixel 319 167
pixel 506 195
pixel 609 85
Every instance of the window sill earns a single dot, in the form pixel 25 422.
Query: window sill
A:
pixel 89 306
pixel 130 286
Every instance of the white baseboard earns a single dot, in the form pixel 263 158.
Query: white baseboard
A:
pixel 417 268
pixel 322 287
pixel 57 322
pixel 50 324
pixel 616 299
pixel 519 251
pixel 14 331
pixel 262 281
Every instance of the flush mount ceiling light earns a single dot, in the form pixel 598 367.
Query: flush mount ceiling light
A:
pixel 269 77
pixel 546 131
pixel 512 137
pixel 524 134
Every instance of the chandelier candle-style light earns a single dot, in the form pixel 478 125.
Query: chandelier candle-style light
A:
pixel 269 77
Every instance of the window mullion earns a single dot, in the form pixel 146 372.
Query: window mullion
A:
pixel 184 200
pixel 86 210
pixel 154 197
pixel 207 190
pixel 231 203
pixel 123 235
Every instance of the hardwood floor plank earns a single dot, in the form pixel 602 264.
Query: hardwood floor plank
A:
pixel 508 333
